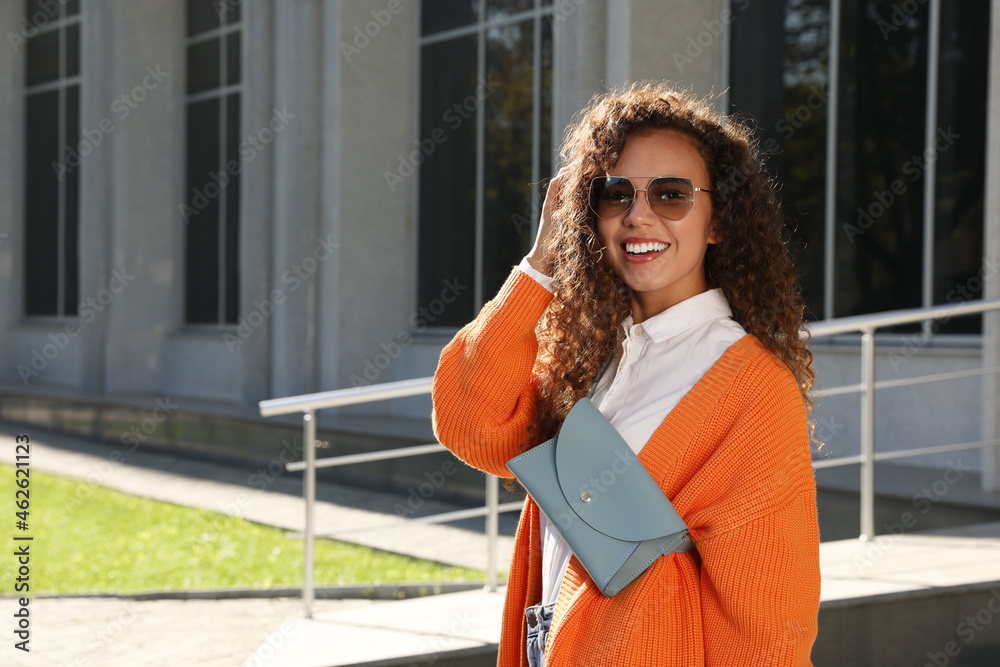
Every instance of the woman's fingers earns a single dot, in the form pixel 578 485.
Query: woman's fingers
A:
pixel 540 257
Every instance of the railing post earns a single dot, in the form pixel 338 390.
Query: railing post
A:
pixel 868 436
pixel 492 530
pixel 309 436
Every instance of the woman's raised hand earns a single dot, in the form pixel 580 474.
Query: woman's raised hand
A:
pixel 540 257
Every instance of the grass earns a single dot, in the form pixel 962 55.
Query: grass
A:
pixel 91 539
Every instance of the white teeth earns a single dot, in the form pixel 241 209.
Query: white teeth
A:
pixel 642 248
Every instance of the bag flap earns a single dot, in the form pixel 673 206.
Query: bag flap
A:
pixel 606 484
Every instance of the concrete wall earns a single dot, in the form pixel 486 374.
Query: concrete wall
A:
pixel 923 415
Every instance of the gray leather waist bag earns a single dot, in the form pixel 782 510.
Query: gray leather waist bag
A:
pixel 601 499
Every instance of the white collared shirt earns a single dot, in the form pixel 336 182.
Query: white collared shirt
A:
pixel 658 363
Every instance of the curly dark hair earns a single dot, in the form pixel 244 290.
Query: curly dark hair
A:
pixel 750 262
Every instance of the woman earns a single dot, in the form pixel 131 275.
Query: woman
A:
pixel 659 256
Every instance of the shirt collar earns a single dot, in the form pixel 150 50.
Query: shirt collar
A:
pixel 698 309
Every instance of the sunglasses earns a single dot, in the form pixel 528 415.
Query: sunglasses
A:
pixel 669 196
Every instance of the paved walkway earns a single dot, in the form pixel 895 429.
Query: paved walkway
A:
pixel 237 492
pixel 88 632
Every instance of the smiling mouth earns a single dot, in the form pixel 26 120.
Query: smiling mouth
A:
pixel 640 249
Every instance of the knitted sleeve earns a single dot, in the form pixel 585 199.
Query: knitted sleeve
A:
pixel 483 397
pixel 760 551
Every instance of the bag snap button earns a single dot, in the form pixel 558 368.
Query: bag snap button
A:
pixel 585 497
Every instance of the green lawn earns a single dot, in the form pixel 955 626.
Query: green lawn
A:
pixel 90 539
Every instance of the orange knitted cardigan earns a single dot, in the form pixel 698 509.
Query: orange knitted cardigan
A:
pixel 734 458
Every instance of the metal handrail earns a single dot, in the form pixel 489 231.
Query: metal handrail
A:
pixel 866 325
pixel 308 404
pixel 891 318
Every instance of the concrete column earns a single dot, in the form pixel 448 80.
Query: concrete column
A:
pixel 376 129
pixel 97 183
pixel 991 255
pixel 687 49
pixel 330 221
pixel 580 45
pixel 297 194
pixel 12 54
pixel 257 222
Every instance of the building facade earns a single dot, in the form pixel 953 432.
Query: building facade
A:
pixel 218 202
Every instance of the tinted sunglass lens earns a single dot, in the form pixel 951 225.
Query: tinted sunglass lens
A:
pixel 611 196
pixel 671 197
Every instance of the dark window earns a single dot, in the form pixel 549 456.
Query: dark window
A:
pixel 486 109
pixel 52 159
pixel 211 209
pixel 881 170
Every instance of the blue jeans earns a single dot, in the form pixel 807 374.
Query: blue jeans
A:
pixel 539 618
